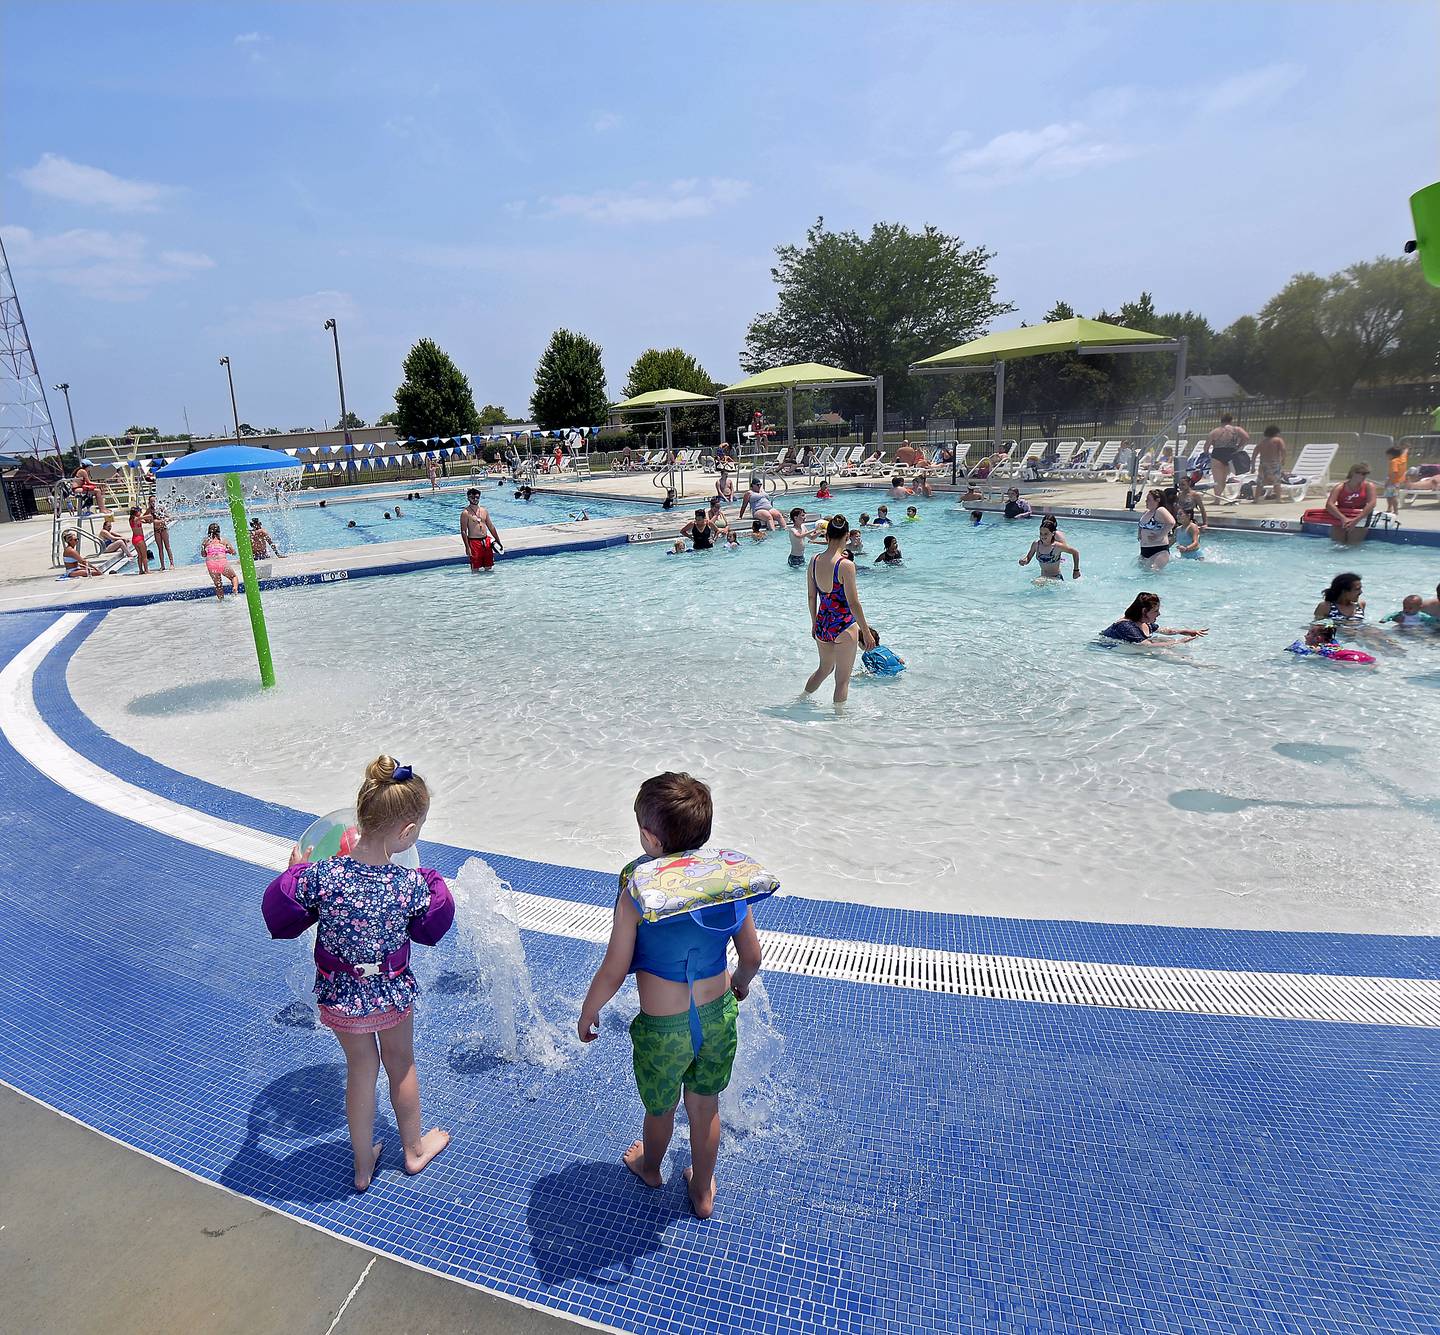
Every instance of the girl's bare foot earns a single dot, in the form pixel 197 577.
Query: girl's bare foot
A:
pixel 702 1202
pixel 634 1160
pixel 431 1143
pixel 364 1173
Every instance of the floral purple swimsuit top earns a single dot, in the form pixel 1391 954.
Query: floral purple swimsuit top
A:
pixel 365 914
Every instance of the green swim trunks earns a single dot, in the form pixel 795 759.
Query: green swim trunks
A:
pixel 665 1058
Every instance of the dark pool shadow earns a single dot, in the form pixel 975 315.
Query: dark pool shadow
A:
pixel 1223 804
pixel 196 697
pixel 453 983
pixel 470 1057
pixel 1314 753
pixel 592 1217
pixel 1425 679
pixel 297 1015
pixel 299 1108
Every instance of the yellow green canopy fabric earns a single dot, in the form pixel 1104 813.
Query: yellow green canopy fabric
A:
pixel 663 398
pixel 793 377
pixel 1035 340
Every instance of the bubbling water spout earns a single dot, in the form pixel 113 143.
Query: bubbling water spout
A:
pixel 751 1103
pixel 489 934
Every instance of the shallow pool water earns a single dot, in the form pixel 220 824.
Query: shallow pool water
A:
pixel 1015 768
pixel 307 527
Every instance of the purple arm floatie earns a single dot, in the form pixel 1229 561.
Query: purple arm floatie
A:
pixel 428 927
pixel 284 915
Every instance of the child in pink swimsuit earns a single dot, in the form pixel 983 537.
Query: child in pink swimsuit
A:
pixel 217 553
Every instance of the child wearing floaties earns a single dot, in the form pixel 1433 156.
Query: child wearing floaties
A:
pixel 1411 614
pixel 880 661
pixel 368 911
pixel 684 1037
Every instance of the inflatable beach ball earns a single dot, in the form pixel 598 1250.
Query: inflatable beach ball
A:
pixel 335 833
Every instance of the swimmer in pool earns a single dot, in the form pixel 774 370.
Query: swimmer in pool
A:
pixel 1412 615
pixel 882 517
pixel 972 494
pixel 912 515
pixel 976 516
pixel 797 533
pixel 1048 550
pixel 890 556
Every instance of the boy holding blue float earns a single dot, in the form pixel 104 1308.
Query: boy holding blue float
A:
pixel 678 908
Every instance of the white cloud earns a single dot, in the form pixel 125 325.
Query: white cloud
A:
pixel 601 121
pixel 251 38
pixel 92 186
pixel 1059 149
pixel 1251 88
pixel 186 259
pixel 279 315
pixel 109 266
pixel 693 198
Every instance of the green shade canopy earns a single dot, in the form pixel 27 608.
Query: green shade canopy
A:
pixel 794 377
pixel 1035 340
pixel 663 398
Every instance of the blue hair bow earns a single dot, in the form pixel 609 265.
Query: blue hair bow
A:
pixel 402 772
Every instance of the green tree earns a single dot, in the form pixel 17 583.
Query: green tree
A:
pixel 668 368
pixel 673 368
pixel 1239 352
pixel 435 399
pixel 493 415
pixel 392 418
pixel 874 304
pixel 569 383
pixel 1373 321
pixel 351 420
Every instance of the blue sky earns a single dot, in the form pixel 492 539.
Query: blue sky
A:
pixel 182 181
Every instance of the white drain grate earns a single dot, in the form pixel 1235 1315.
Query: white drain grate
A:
pixel 1271 996
pixel 1278 996
pixel 1268 996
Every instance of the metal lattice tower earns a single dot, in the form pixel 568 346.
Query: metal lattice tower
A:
pixel 25 424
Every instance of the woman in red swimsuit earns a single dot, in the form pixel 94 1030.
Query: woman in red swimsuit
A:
pixel 837 621
pixel 1350 504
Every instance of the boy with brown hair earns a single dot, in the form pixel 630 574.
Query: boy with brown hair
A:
pixel 685 1035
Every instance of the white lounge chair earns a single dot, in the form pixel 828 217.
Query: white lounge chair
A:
pixel 1310 469
pixel 850 464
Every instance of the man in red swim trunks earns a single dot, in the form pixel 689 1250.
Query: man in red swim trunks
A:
pixel 478 534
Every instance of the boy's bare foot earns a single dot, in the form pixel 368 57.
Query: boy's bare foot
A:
pixel 703 1203
pixel 364 1174
pixel 431 1143
pixel 634 1160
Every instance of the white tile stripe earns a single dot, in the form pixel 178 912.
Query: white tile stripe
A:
pixel 1325 997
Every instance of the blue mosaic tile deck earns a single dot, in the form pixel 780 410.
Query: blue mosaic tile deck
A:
pixel 940 1164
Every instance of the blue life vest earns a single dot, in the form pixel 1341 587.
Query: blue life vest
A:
pixel 882 662
pixel 688 947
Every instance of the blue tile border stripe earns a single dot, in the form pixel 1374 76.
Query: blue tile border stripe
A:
pixel 934 1165
pixel 1182 947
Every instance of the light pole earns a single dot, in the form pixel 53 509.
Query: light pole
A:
pixel 344 415
pixel 234 411
pixel 74 440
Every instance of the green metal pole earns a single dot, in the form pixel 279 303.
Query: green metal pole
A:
pixel 247 573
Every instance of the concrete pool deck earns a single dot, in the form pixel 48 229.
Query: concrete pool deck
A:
pixel 995 1153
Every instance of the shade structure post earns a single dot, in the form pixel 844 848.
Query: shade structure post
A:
pixel 1182 356
pixel 721 403
pixel 236 495
pixel 880 415
pixel 790 417
pixel 999 404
